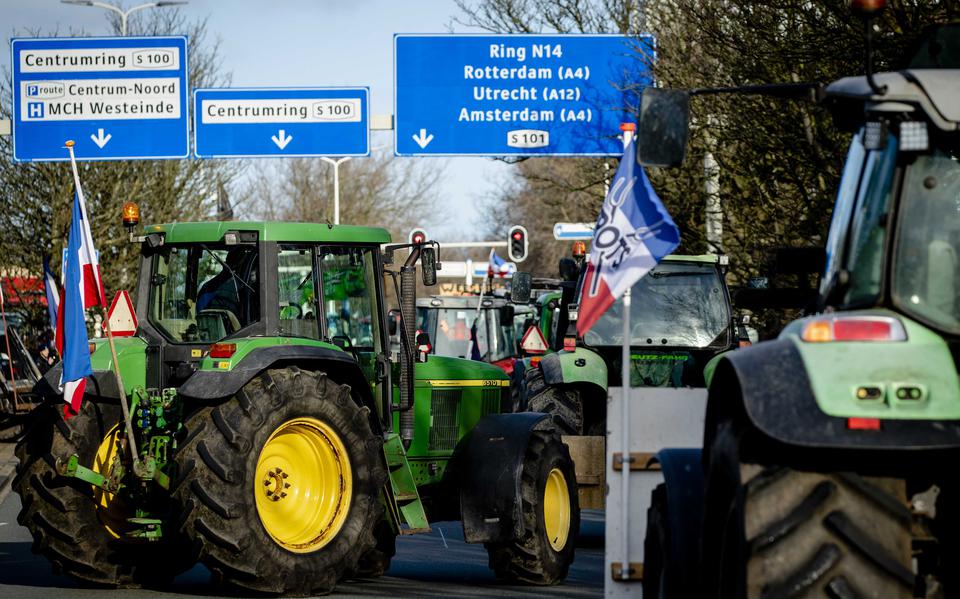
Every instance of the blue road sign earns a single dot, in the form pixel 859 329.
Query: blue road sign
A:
pixel 118 98
pixel 272 122
pixel 534 95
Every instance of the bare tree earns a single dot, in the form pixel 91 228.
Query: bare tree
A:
pixel 376 191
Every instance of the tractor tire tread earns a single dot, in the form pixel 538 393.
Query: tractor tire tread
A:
pixel 806 531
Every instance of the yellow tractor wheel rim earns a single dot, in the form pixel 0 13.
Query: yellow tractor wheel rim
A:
pixel 556 509
pixel 111 511
pixel 303 485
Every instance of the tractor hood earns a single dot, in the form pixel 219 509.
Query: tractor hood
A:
pixel 935 92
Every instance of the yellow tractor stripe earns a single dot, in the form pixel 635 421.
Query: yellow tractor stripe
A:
pixel 467 383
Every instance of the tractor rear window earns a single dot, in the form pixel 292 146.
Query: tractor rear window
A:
pixel 202 293
pixel 349 294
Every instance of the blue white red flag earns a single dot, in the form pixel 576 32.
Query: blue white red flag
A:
pixel 633 234
pixel 498 267
pixel 82 289
pixel 52 290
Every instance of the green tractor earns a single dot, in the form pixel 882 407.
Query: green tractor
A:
pixel 827 465
pixel 681 319
pixel 272 435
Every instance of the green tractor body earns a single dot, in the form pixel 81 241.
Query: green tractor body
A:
pixel 828 464
pixel 279 440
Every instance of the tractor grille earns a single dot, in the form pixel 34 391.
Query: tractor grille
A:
pixel 445 412
pixel 490 401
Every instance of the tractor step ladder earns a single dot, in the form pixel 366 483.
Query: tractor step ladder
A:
pixel 405 504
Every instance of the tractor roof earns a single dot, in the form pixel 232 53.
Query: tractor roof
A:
pixel 212 232
pixel 460 301
pixel 935 92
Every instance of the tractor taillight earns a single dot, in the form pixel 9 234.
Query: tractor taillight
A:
pixel 853 328
pixel 863 424
pixel 223 350
pixel 569 343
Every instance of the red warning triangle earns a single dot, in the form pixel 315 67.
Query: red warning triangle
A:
pixel 122 318
pixel 533 341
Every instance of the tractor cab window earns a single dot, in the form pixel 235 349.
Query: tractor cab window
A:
pixel 202 293
pixel 349 296
pixel 297 293
pixel 865 247
pixel 675 305
pixel 926 273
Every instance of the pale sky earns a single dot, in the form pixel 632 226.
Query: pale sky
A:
pixel 285 43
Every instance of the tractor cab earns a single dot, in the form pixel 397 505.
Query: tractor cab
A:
pixel 895 236
pixel 681 317
pixel 472 327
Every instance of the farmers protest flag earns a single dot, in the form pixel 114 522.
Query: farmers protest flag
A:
pixel 633 234
pixel 82 289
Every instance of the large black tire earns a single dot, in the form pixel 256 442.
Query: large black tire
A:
pixel 533 558
pixel 781 532
pixel 217 486
pixel 62 514
pixel 562 404
pixel 376 561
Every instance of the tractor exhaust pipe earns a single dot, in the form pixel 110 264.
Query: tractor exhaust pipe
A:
pixel 408 320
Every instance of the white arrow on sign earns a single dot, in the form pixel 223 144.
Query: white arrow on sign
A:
pixel 423 139
pixel 100 139
pixel 283 140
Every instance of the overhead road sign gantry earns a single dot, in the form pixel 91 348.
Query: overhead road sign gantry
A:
pixel 118 98
pixel 530 95
pixel 281 122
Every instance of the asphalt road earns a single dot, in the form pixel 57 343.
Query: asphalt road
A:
pixel 436 565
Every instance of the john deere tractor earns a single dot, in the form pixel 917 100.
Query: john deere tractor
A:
pixel 828 465
pixel 272 435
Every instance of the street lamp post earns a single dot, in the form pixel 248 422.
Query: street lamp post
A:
pixel 336 184
pixel 123 14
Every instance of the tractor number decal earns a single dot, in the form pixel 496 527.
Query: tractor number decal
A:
pixel 468 383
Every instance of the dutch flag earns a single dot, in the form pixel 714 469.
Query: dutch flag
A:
pixel 52 290
pixel 82 289
pixel 633 234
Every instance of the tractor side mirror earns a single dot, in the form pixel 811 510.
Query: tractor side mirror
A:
pixel 423 347
pixel 520 288
pixel 428 266
pixel 663 127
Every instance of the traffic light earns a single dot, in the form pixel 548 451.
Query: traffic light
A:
pixel 418 236
pixel 517 243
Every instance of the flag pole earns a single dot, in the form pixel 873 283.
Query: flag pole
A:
pixel 6 337
pixel 127 424
pixel 625 466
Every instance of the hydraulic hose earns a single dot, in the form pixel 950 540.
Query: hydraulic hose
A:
pixel 408 319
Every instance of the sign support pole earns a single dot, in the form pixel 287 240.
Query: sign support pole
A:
pixel 127 424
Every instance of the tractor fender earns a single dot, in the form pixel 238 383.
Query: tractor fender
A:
pixel 684 479
pixel 489 463
pixel 580 367
pixel 212 385
pixel 768 385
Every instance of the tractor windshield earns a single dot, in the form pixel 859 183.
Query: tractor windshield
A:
pixel 201 293
pixel 675 305
pixel 926 272
pixel 451 331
